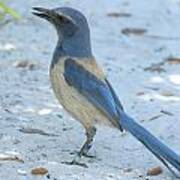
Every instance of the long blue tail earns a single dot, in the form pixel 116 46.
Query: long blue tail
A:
pixel 160 150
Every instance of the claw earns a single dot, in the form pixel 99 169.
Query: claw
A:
pixel 75 163
pixel 88 156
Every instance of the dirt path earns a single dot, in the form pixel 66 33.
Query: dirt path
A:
pixel 133 41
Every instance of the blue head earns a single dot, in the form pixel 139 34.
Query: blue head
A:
pixel 72 29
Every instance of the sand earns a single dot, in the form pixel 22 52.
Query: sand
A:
pixel 132 40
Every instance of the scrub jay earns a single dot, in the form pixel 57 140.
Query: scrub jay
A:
pixel 83 89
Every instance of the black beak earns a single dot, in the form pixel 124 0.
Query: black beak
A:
pixel 53 17
pixel 42 12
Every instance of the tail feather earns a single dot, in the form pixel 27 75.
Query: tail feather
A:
pixel 160 150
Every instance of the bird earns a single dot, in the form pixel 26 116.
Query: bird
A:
pixel 83 89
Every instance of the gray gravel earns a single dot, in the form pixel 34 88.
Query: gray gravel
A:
pixel 34 127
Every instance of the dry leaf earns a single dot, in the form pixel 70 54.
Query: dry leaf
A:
pixel 10 157
pixel 167 113
pixel 35 131
pixel 117 14
pixel 173 60
pixel 167 93
pixel 140 93
pixel 156 68
pixel 39 171
pixel 24 64
pixel 134 31
pixel 154 171
pixel 155 117
pixel 128 170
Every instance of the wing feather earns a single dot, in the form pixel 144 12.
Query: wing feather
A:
pixel 98 92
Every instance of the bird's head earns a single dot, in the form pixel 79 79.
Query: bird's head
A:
pixel 71 26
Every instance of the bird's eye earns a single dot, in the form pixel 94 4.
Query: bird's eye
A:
pixel 63 19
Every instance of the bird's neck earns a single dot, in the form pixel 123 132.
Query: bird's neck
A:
pixel 76 46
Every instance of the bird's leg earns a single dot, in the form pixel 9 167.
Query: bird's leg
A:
pixel 90 133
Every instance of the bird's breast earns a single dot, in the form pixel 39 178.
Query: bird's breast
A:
pixel 70 98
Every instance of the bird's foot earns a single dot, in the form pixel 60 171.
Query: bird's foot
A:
pixel 74 162
pixel 89 156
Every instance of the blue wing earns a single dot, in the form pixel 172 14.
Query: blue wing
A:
pixel 101 95
pixel 98 92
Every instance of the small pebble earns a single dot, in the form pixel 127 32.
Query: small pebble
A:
pixel 24 64
pixel 21 172
pixel 154 171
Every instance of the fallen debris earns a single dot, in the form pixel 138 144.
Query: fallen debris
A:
pixel 118 14
pixel 35 131
pixel 155 117
pixel 167 93
pixel 134 31
pixel 21 172
pixel 39 171
pixel 128 170
pixel 173 60
pixel 154 171
pixel 156 68
pixel 10 157
pixel 141 93
pixel 24 64
pixel 167 113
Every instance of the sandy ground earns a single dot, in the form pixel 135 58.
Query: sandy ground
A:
pixel 35 129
